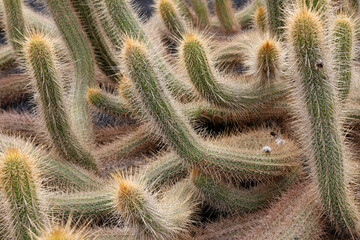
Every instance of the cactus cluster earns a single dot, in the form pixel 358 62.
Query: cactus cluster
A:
pixel 202 122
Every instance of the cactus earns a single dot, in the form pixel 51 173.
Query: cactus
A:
pixel 15 25
pixel 21 191
pixel 172 18
pixel 201 10
pixel 343 51
pixel 226 14
pixel 324 143
pixel 41 63
pixel 204 122
pixel 260 19
pixel 275 16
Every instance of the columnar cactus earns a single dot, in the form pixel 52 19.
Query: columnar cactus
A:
pixel 317 112
pixel 141 129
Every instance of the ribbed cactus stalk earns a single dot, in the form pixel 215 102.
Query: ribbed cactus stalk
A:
pixel 41 63
pixel 83 59
pixel 167 218
pixel 260 19
pixel 104 55
pixel 201 10
pixel 15 25
pixel 275 10
pixel 20 190
pixel 226 14
pixel 171 17
pixel 177 131
pixel 320 133
pixel 343 37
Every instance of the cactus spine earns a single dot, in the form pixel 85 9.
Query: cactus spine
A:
pixel 40 58
pixel 321 138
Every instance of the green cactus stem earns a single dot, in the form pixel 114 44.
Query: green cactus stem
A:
pixel 41 63
pixel 275 16
pixel 20 190
pixel 320 127
pixel 260 19
pixel 226 14
pixel 202 12
pixel 15 25
pixel 171 17
pixel 343 37
pixel 83 59
pixel 104 55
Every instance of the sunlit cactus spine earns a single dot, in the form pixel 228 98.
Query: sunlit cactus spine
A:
pixel 21 192
pixel 41 63
pixel 320 133
pixel 226 14
pixel 344 41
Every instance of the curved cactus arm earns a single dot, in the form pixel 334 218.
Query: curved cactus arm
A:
pixel 229 199
pixel 176 130
pixel 90 205
pixel 105 56
pixel 83 58
pixel 15 25
pixel 41 63
pixel 107 103
pixel 245 15
pixel 315 104
pixel 206 80
pixel 164 170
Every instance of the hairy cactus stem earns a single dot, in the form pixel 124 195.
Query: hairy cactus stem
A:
pixel 202 12
pixel 260 20
pixel 320 125
pixel 15 25
pixel 275 16
pixel 226 14
pixel 41 63
pixel 21 191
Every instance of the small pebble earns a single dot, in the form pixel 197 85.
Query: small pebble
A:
pixel 266 149
pixel 279 141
